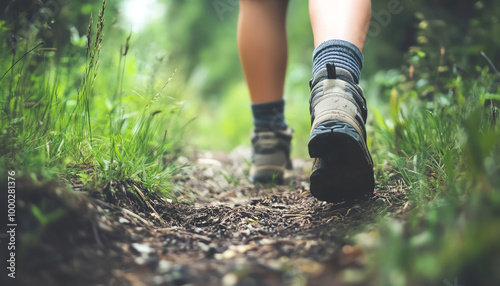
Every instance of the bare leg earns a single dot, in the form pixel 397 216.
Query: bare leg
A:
pixel 262 45
pixel 343 168
pixel 346 20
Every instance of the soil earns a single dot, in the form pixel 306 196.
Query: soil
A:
pixel 221 230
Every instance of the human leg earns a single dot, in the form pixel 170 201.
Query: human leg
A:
pixel 262 46
pixel 339 29
pixel 343 169
pixel 340 19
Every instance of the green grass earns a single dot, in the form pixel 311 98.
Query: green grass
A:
pixel 72 117
pixel 446 150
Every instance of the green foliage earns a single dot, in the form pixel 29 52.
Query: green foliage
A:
pixel 448 155
pixel 45 217
pixel 442 139
pixel 71 115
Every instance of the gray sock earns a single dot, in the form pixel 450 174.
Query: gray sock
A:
pixel 342 54
pixel 269 115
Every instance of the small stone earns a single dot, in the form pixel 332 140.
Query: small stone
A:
pixel 103 226
pixel 203 246
pixel 182 160
pixel 228 254
pixel 208 161
pixel 209 173
pixel 229 279
pixel 243 248
pixel 368 240
pixel 266 241
pixel 158 280
pixel 142 248
pixel 163 266
pixel 140 260
pixel 123 220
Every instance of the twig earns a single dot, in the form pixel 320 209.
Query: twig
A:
pixel 124 210
pixel 294 215
pixel 493 67
pixel 184 231
pixel 146 201
pixel 348 211
pixel 136 216
pixel 168 228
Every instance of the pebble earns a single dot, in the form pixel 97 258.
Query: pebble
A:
pixel 228 254
pixel 229 279
pixel 182 160
pixel 163 266
pixel 142 248
pixel 123 220
pixel 158 280
pixel 208 161
pixel 203 246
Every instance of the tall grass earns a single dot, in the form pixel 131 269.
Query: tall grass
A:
pixel 446 150
pixel 52 129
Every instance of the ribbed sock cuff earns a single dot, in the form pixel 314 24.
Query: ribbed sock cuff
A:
pixel 269 115
pixel 342 54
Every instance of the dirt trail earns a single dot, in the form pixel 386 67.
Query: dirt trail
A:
pixel 233 233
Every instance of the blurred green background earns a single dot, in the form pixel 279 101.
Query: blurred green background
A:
pixel 119 100
pixel 215 90
pixel 199 40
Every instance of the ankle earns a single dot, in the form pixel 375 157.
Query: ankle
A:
pixel 269 115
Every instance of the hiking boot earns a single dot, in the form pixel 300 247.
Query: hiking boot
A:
pixel 343 167
pixel 270 155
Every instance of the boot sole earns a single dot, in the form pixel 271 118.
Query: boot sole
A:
pixel 344 172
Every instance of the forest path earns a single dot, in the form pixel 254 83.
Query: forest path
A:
pixel 228 232
pixel 237 233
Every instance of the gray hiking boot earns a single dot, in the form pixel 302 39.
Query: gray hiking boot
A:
pixel 270 155
pixel 343 167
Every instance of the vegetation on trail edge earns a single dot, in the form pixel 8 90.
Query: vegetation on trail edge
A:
pixel 61 119
pixel 69 116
